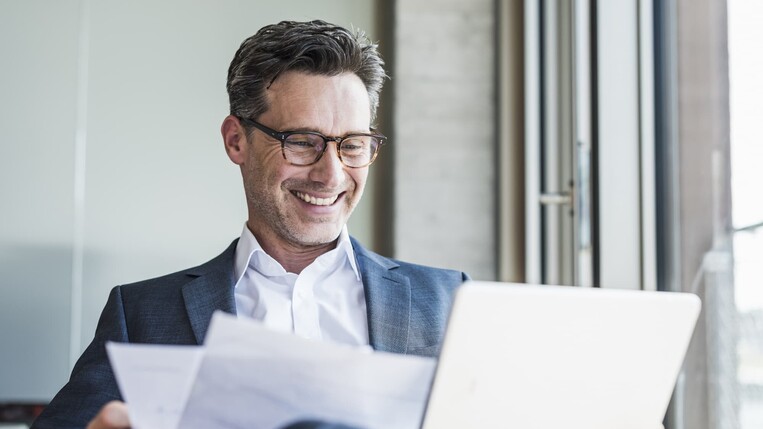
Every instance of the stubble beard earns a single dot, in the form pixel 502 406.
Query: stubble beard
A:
pixel 271 211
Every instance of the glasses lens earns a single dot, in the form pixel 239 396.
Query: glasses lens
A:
pixel 358 151
pixel 303 149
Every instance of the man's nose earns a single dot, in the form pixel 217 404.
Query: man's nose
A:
pixel 329 170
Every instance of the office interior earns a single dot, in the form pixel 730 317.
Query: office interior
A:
pixel 589 143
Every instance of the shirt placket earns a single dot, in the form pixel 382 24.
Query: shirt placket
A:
pixel 305 306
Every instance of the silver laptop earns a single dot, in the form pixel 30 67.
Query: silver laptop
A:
pixel 523 357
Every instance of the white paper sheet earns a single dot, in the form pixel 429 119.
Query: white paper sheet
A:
pixel 155 381
pixel 253 377
pixel 249 376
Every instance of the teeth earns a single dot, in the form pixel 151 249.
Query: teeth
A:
pixel 316 201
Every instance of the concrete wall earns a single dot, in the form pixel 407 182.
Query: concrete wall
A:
pixel 445 134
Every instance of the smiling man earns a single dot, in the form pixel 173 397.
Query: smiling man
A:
pixel 303 98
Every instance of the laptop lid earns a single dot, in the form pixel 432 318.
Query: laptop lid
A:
pixel 520 356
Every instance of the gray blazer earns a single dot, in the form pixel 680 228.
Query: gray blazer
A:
pixel 407 306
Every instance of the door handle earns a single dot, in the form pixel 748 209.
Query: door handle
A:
pixel 559 198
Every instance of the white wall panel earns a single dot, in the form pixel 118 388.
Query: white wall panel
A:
pixel 38 57
pixel 159 192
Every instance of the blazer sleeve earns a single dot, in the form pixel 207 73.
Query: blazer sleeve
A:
pixel 92 383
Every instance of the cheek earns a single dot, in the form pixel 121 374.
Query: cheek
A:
pixel 359 177
pixel 269 170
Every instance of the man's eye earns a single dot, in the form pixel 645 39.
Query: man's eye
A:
pixel 354 146
pixel 300 143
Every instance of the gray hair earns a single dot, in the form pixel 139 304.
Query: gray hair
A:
pixel 314 47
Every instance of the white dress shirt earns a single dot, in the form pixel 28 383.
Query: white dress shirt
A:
pixel 323 302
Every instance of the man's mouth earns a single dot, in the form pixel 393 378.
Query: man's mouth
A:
pixel 316 201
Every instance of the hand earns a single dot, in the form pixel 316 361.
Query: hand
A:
pixel 112 416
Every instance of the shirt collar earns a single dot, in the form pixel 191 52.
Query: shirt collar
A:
pixel 345 245
pixel 248 247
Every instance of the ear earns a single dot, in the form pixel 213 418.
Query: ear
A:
pixel 234 139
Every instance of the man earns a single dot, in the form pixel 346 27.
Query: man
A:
pixel 303 97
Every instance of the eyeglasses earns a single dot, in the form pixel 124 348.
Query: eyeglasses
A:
pixel 355 150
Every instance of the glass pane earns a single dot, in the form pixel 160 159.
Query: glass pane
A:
pixel 746 104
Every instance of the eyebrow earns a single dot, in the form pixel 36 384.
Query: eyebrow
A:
pixel 313 130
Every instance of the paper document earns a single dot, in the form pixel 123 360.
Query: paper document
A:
pixel 248 376
pixel 155 380
pixel 252 376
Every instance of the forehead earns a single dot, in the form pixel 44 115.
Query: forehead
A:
pixel 332 105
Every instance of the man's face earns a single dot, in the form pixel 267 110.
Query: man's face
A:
pixel 305 205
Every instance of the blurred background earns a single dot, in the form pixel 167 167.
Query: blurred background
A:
pixel 594 143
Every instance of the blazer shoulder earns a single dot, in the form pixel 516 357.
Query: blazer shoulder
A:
pixel 417 271
pixel 413 269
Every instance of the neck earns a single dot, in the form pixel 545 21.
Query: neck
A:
pixel 293 257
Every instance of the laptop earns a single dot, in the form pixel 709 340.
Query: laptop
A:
pixel 520 356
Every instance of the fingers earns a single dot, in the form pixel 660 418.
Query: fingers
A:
pixel 112 416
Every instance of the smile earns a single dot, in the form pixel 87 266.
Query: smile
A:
pixel 315 200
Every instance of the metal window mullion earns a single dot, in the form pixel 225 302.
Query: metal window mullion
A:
pixel 533 261
pixel 583 175
pixel 551 142
pixel 647 141
pixel 566 145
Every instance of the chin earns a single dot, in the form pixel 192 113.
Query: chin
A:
pixel 316 238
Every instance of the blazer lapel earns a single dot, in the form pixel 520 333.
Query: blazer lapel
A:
pixel 388 301
pixel 387 293
pixel 210 290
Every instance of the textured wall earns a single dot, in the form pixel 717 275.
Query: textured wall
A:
pixel 445 134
